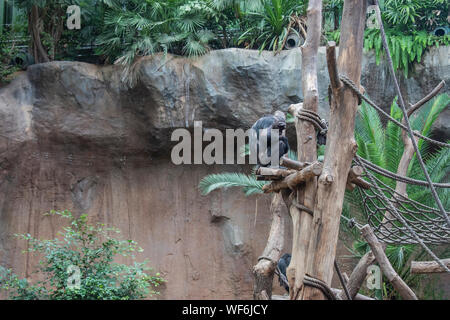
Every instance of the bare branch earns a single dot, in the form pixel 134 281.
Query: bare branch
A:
pixel 332 66
pixel 378 250
pixel 425 99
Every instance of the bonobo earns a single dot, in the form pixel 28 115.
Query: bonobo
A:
pixel 263 127
pixel 282 265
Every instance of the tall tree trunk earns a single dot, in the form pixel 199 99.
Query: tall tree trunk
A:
pixel 340 150
pixel 35 27
pixel 306 148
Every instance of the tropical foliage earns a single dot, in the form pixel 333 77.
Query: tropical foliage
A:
pixel 93 250
pixel 122 30
pixel 405 49
pixel 383 146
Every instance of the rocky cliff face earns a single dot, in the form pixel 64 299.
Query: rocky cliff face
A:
pixel 73 137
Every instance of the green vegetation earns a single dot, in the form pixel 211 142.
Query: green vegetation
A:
pixel 93 250
pixel 383 146
pixel 123 30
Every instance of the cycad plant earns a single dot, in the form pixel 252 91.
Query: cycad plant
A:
pixel 383 146
pixel 269 27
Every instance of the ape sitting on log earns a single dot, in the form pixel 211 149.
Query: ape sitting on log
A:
pixel 262 128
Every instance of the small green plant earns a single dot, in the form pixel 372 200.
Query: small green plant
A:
pixel 81 266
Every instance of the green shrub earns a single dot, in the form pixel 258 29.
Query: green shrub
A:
pixel 92 250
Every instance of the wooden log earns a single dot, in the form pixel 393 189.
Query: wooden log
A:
pixel 292 164
pixel 309 172
pixel 354 179
pixel 358 276
pixel 339 153
pixel 274 173
pixel 336 291
pixel 385 266
pixel 332 65
pixel 294 179
pixel 263 271
pixel 306 149
pixel 418 267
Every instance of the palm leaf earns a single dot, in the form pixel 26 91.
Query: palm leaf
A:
pixel 248 183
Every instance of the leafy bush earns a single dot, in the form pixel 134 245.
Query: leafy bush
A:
pixel 415 14
pixel 405 49
pixel 92 249
pixel 8 50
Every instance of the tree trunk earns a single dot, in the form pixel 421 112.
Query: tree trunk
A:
pixel 264 270
pixel 35 27
pixel 340 150
pixel 306 148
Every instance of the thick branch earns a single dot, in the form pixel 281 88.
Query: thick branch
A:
pixel 336 291
pixel 332 66
pixel 358 275
pixel 264 270
pixel 428 266
pixel 294 179
pixel 378 251
pixel 273 174
pixel 354 179
pixel 292 164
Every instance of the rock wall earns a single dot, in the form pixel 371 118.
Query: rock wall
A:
pixel 73 137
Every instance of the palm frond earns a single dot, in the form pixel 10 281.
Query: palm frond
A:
pixel 248 183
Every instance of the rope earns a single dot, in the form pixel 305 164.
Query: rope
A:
pixel 266 258
pixel 349 83
pixel 341 279
pixel 394 211
pixel 405 115
pixel 316 283
pixel 311 116
pixel 397 177
pixel 322 286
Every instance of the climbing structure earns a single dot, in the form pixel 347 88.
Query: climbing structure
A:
pixel 316 203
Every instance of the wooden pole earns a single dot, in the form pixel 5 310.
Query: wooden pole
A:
pixel 306 149
pixel 428 266
pixel 378 251
pixel 340 149
pixel 264 270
